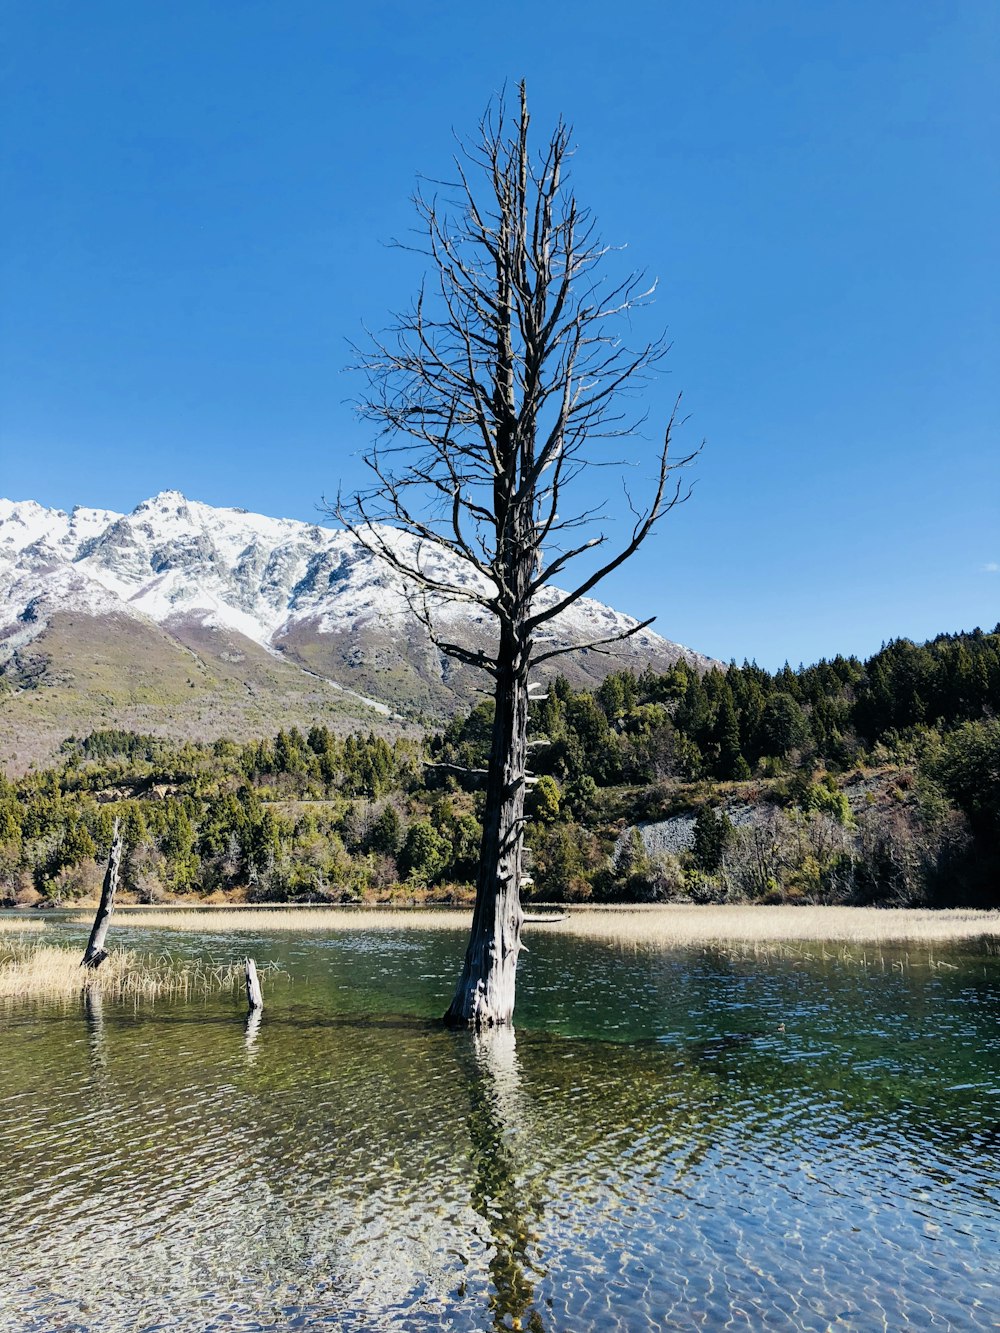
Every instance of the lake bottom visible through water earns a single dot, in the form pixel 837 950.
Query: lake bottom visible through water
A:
pixel 678 1139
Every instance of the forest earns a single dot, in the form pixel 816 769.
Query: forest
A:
pixel 849 781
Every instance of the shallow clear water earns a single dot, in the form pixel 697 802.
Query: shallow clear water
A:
pixel 671 1140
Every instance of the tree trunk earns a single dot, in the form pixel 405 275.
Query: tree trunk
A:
pixel 484 996
pixel 96 952
pixel 255 1000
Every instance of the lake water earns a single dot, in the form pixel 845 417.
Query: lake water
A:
pixel 687 1139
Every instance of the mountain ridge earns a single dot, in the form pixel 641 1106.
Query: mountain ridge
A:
pixel 216 580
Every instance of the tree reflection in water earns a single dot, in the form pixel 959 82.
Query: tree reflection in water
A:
pixel 501 1192
pixel 93 1003
pixel 250 1034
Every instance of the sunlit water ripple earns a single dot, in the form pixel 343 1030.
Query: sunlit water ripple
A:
pixel 677 1140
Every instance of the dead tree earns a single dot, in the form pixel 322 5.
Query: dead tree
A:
pixel 96 953
pixel 492 395
pixel 255 998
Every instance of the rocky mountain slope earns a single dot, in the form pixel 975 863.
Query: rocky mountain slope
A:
pixel 185 618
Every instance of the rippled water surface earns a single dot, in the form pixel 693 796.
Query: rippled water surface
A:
pixel 671 1140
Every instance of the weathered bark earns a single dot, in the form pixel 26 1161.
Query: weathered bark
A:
pixel 95 952
pixel 484 996
pixel 255 999
pixel 485 992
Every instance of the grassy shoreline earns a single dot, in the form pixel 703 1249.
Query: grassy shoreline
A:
pixel 33 967
pixel 653 924
pixel 33 963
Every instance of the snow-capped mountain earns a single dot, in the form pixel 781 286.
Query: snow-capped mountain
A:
pixel 216 579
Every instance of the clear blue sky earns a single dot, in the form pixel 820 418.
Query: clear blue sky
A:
pixel 194 198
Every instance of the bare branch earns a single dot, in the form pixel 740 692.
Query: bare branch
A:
pixel 419 604
pixel 595 645
pixel 664 500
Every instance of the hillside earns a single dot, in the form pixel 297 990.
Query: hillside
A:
pixel 847 782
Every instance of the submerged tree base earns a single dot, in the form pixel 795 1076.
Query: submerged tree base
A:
pixel 477 1018
pixel 482 1007
pixel 484 996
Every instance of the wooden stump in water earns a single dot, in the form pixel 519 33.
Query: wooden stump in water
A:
pixel 255 999
pixel 96 953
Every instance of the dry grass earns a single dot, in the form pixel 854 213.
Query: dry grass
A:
pixel 257 919
pixel 29 969
pixel 21 925
pixel 662 926
pixel 680 923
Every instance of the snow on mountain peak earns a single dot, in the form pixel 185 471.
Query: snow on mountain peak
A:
pixel 264 577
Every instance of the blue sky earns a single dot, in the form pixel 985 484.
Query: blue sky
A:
pixel 194 200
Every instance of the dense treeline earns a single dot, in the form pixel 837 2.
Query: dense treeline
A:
pixel 853 781
pixel 296 814
pixel 865 781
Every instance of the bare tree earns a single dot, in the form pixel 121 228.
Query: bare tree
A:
pixel 491 394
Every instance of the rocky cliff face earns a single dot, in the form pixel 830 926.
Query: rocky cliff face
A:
pixel 211 579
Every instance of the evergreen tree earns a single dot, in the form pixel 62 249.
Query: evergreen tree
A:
pixel 731 763
pixel 712 834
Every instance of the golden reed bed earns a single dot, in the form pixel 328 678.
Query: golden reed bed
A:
pixel 21 925
pixel 30 968
pixel 663 926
